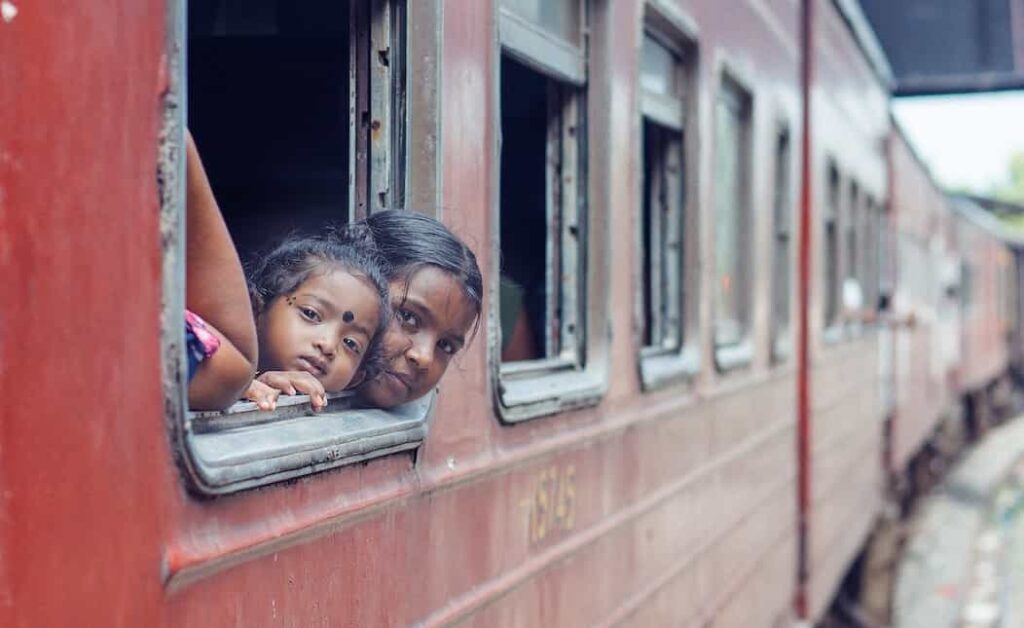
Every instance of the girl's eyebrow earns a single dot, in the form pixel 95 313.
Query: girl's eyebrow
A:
pixel 332 310
pixel 325 304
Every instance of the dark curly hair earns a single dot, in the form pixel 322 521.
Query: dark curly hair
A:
pixel 408 241
pixel 299 257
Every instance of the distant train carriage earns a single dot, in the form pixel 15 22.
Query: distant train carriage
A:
pixel 673 412
pixel 927 347
pixel 988 289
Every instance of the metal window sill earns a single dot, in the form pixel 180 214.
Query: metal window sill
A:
pixel 734 356
pixel 244 448
pixel 660 370
pixel 530 396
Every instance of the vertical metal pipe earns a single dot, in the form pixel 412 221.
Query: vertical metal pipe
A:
pixel 803 353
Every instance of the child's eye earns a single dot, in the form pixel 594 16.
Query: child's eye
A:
pixel 352 344
pixel 407 318
pixel 447 347
pixel 310 313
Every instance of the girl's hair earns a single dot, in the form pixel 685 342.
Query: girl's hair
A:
pixel 408 241
pixel 299 257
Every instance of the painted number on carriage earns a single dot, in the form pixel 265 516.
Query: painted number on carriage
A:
pixel 552 507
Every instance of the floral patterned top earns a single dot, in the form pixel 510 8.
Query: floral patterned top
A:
pixel 200 342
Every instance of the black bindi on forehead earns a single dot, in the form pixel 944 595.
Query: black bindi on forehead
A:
pixel 348 316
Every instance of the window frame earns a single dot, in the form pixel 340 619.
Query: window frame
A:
pixel 871 251
pixel 732 91
pixel 243 448
pixel 831 265
pixel 576 377
pixel 674 358
pixel 852 250
pixel 782 250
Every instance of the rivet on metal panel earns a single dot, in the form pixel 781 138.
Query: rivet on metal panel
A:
pixel 8 11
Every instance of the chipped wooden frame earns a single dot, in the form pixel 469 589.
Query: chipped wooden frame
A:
pixel 666 235
pixel 243 448
pixel 567 376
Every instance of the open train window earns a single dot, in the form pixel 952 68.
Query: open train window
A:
pixel 542 208
pixel 853 287
pixel 666 353
pixel 830 281
pixel 782 229
pixel 732 226
pixel 870 257
pixel 298 111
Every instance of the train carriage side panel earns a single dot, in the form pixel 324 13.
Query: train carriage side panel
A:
pixel 923 359
pixel 850 121
pixel 984 341
pixel 83 451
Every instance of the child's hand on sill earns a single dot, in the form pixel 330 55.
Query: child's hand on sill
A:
pixel 265 389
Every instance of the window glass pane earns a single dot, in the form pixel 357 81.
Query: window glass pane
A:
pixel 869 253
pixel 729 182
pixel 662 236
pixel 831 266
pixel 782 209
pixel 852 219
pixel 561 17
pixel 658 68
pixel 268 102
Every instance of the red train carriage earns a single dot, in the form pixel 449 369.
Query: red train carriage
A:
pixel 639 434
pixel 988 288
pixel 926 311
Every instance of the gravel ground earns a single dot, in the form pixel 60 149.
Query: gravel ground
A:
pixel 964 562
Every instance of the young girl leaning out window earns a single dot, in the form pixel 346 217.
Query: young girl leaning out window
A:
pixel 320 304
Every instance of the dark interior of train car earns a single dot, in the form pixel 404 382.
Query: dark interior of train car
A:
pixel 652 140
pixel 268 104
pixel 524 198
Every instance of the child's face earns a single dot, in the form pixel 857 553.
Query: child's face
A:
pixel 433 318
pixel 323 328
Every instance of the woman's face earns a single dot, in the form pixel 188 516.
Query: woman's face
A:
pixel 433 317
pixel 322 328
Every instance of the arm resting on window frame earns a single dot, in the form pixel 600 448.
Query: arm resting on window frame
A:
pixel 221 379
pixel 215 286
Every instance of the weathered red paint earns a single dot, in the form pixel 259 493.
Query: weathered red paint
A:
pixel 84 459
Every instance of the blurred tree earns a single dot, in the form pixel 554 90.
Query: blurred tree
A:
pixel 1013 190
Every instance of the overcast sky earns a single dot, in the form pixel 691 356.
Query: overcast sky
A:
pixel 966 140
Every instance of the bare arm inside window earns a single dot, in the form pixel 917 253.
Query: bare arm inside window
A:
pixel 221 379
pixel 215 285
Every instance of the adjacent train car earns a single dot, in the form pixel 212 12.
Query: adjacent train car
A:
pixel 672 413
pixel 926 317
pixel 849 178
pixel 988 295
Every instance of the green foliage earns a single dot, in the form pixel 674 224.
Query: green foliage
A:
pixel 1012 191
